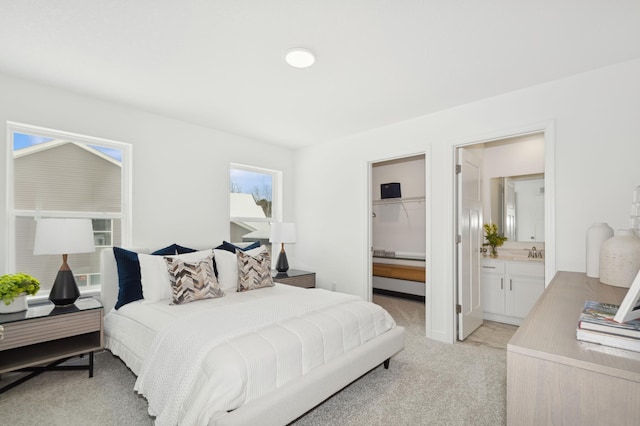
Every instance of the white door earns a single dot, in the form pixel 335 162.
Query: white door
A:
pixel 470 231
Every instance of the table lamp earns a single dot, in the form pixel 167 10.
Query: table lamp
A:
pixel 282 233
pixel 64 236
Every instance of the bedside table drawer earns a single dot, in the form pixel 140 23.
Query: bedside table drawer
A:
pixel 30 332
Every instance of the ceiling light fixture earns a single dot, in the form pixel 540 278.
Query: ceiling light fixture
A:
pixel 299 57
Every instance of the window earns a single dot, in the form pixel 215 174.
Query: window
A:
pixel 57 174
pixel 254 203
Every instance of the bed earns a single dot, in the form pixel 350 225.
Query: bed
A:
pixel 264 356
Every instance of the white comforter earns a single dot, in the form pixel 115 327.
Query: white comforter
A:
pixel 214 361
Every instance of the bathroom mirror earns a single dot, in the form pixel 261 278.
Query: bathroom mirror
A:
pixel 517 207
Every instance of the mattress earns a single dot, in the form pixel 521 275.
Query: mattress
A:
pixel 200 360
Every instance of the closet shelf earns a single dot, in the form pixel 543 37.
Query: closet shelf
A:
pixel 399 200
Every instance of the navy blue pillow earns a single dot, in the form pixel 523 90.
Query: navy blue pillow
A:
pixel 232 247
pixel 183 250
pixel 129 278
pixel 129 285
pixel 167 251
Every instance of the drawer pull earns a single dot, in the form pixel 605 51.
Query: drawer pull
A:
pixel 489 267
pixel 1 333
pixel 501 283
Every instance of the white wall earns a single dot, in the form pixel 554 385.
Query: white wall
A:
pixel 520 156
pixel 398 226
pixel 597 152
pixel 409 172
pixel 180 171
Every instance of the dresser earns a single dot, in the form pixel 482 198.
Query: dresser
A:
pixel 552 378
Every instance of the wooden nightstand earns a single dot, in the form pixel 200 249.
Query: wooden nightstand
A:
pixel 46 334
pixel 295 277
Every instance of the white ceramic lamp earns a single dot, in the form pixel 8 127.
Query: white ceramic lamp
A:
pixel 282 233
pixel 64 236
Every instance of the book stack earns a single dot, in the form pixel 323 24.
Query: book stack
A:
pixel 596 325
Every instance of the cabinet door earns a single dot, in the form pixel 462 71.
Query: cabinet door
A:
pixel 521 294
pixel 493 293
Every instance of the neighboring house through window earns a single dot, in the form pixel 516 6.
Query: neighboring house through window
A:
pixel 254 202
pixel 56 174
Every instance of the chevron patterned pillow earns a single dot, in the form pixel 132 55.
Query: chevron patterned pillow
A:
pixel 192 281
pixel 253 271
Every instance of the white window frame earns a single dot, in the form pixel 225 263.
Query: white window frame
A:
pixel 276 193
pixel 126 190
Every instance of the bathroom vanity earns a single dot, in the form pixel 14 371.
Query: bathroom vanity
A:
pixel 510 287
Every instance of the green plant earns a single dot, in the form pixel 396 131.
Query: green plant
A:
pixel 491 235
pixel 13 285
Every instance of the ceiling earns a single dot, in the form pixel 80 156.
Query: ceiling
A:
pixel 221 64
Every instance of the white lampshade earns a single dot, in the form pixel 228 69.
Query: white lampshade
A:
pixel 63 236
pixel 282 232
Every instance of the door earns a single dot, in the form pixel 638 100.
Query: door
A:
pixel 469 206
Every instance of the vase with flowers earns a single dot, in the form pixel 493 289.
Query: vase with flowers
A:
pixel 492 238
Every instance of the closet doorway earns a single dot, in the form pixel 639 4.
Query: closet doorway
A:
pixel 398 227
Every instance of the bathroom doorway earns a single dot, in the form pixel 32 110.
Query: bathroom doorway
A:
pixel 514 158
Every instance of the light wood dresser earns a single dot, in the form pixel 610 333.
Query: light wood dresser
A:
pixel 554 379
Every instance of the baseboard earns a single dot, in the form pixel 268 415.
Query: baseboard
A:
pixel 398 294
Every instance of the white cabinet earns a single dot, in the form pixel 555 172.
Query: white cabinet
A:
pixel 510 288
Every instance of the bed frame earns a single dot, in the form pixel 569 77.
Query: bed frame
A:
pixel 296 398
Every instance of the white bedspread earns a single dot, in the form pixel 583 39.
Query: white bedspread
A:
pixel 216 360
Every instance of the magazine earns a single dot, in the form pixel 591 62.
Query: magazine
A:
pixel 599 316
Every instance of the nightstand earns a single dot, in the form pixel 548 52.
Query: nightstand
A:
pixel 46 334
pixel 295 277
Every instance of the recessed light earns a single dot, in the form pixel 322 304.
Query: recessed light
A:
pixel 299 57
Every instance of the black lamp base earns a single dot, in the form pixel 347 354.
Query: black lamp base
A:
pixel 64 291
pixel 282 265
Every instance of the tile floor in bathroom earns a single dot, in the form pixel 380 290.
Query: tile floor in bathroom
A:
pixel 494 334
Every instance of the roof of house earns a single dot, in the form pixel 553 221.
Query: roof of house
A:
pixel 44 146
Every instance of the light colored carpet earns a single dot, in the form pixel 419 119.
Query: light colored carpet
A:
pixel 429 383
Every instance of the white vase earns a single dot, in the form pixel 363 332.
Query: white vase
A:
pixel 19 304
pixel 597 234
pixel 620 259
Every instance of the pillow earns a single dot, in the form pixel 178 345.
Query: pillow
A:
pixel 166 250
pixel 155 279
pixel 227 264
pixel 192 281
pixel 129 282
pixel 129 286
pixel 254 272
pixel 185 250
pixel 232 247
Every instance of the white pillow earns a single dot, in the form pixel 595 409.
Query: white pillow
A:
pixel 227 266
pixel 154 276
